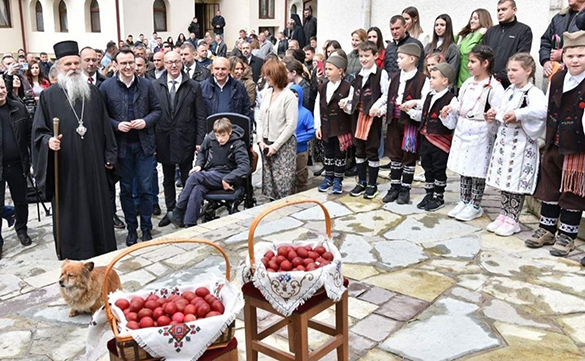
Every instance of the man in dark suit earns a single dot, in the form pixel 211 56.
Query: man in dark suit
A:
pixel 181 127
pixel 89 67
pixel 254 62
pixel 190 66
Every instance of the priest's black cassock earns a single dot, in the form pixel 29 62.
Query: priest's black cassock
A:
pixel 85 212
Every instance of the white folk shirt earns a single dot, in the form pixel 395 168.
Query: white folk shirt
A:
pixel 416 112
pixel 365 73
pixel 330 89
pixel 515 158
pixel 473 138
pixel 382 103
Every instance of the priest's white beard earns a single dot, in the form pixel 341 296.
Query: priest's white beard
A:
pixel 74 85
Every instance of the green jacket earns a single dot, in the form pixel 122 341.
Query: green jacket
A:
pixel 465 46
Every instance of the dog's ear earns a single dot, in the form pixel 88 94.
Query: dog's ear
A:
pixel 66 261
pixel 88 266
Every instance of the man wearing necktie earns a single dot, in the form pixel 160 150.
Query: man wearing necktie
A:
pixel 181 127
pixel 192 69
pixel 89 66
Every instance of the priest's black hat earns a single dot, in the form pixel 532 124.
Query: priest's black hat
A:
pixel 66 48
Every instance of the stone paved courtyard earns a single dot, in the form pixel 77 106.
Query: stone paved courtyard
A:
pixel 423 286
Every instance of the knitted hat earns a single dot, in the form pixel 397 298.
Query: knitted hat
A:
pixel 338 61
pixel 447 71
pixel 571 40
pixel 410 49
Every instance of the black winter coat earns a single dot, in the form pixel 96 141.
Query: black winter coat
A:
pixel 237 165
pixel 177 133
pixel 218 20
pixel 310 28
pixel 22 126
pixel 194 28
pixel 506 40
pixel 256 64
pixel 146 106
pixel 560 23
pixel 240 100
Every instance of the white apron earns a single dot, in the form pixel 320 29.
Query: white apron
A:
pixel 514 163
pixel 473 138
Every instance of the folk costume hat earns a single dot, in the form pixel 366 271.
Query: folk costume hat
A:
pixel 571 40
pixel 447 71
pixel 337 61
pixel 65 48
pixel 410 49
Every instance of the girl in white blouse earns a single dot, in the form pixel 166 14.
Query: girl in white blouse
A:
pixel 514 164
pixel 474 134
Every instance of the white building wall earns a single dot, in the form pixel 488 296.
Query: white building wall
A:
pixel 11 37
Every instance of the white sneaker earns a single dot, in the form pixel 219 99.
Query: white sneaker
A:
pixel 496 224
pixel 469 213
pixel 458 208
pixel 508 228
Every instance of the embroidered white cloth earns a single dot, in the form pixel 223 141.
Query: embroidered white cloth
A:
pixel 286 291
pixel 184 342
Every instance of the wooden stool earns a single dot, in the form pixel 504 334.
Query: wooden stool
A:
pixel 298 324
pixel 227 353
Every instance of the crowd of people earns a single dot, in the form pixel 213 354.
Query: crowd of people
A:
pixel 462 101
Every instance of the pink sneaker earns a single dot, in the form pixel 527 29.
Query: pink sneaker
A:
pixel 508 228
pixel 496 223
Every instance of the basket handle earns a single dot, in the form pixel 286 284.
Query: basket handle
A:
pixel 276 207
pixel 111 319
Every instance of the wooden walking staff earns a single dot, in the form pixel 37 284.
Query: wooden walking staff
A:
pixel 56 225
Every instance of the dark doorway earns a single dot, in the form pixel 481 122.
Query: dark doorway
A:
pixel 204 14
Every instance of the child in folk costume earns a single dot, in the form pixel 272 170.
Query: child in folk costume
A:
pixel 402 135
pixel 474 135
pixel 333 125
pixel 562 185
pixel 370 86
pixel 514 164
pixel 437 133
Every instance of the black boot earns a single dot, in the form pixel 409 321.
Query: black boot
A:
pixel 360 188
pixel 422 204
pixel 403 196
pixel 373 175
pixel 176 217
pixel 24 238
pixel 392 194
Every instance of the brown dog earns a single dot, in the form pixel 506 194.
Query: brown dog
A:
pixel 81 286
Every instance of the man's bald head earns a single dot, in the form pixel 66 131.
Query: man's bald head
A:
pixel 158 61
pixel 220 69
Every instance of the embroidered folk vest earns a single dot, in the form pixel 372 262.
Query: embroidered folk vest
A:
pixel 334 121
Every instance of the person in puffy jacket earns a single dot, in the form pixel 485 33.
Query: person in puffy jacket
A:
pixel 222 163
pixel 305 132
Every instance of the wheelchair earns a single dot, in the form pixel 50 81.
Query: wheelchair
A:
pixel 242 194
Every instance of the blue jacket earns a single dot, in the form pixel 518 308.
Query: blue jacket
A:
pixel 146 106
pixel 240 102
pixel 306 123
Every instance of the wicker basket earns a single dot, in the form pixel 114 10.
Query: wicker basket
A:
pixel 274 208
pixel 127 349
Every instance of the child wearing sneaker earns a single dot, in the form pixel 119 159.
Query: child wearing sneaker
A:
pixel 437 133
pixel 562 184
pixel 514 164
pixel 333 125
pixel 370 86
pixel 474 134
pixel 403 132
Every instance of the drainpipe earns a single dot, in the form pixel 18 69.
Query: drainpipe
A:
pixel 118 21
pixel 366 13
pixel 22 32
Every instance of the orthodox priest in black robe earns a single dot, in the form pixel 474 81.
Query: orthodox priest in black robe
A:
pixel 86 148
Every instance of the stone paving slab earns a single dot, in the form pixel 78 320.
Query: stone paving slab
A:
pixel 423 286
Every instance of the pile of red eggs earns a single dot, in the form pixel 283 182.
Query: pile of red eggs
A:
pixel 301 258
pixel 155 311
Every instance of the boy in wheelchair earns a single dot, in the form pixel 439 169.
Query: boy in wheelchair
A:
pixel 222 163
